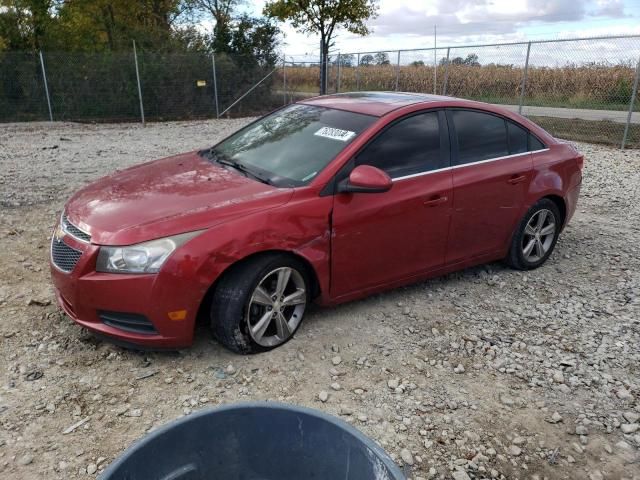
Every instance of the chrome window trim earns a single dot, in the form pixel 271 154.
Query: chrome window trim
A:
pixel 453 167
pixel 63 225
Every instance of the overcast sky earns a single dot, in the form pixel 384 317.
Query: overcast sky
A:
pixel 409 23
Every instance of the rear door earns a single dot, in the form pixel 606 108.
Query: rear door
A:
pixel 491 174
pixel 379 238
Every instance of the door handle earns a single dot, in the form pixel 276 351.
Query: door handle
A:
pixel 435 201
pixel 517 179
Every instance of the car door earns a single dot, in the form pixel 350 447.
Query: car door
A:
pixel 379 238
pixel 491 174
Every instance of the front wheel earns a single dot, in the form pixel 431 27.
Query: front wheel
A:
pixel 536 236
pixel 259 304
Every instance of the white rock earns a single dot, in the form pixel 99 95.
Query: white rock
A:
pixel 406 456
pixel 624 394
pixel 460 475
pixel 323 396
pixel 581 430
pixel 555 418
pixel 629 427
pixel 518 440
pixel 515 451
pixel 26 459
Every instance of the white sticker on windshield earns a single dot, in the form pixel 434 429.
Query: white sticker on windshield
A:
pixel 335 134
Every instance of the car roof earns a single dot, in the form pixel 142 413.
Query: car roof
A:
pixel 376 103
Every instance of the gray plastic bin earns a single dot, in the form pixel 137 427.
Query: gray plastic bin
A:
pixel 255 441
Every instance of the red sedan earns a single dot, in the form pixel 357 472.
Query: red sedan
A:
pixel 329 199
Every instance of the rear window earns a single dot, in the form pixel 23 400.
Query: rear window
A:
pixel 481 136
pixel 291 146
pixel 535 144
pixel 518 138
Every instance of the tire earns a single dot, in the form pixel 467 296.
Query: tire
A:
pixel 543 244
pixel 238 305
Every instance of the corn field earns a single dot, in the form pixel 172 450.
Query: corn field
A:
pixel 599 86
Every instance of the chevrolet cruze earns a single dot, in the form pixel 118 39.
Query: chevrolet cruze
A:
pixel 326 200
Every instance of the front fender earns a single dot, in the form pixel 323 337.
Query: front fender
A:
pixel 301 227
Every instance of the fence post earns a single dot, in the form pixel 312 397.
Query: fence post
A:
pixel 284 79
pixel 339 73
pixel 398 70
pixel 358 74
pixel 524 79
pixel 631 105
pixel 446 73
pixel 215 84
pixel 326 75
pixel 135 57
pixel 46 86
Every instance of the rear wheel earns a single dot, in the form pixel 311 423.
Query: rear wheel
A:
pixel 260 303
pixel 536 236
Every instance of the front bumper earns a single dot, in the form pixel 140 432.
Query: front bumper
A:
pixel 84 293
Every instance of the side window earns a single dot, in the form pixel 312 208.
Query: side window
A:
pixel 535 144
pixel 410 146
pixel 481 136
pixel 518 138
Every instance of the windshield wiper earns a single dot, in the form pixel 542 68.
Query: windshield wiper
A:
pixel 216 157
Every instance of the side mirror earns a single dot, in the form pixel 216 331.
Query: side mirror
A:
pixel 365 179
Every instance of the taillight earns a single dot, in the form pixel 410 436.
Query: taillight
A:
pixel 580 161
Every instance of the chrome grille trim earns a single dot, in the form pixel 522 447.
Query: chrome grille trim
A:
pixel 74 231
pixel 63 256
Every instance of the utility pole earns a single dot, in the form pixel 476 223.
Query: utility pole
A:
pixel 435 60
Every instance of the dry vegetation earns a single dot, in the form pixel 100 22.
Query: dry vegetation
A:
pixel 591 86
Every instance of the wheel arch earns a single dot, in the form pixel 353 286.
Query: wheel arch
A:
pixel 310 270
pixel 560 203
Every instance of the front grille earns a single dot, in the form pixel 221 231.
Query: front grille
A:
pixel 74 231
pixel 63 256
pixel 130 322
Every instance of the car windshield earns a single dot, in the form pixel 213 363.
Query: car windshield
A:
pixel 291 146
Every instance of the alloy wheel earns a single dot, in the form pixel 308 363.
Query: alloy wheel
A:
pixel 276 306
pixel 539 234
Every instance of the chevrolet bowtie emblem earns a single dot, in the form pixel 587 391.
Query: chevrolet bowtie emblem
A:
pixel 58 234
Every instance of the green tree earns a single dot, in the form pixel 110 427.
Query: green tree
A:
pixel 367 60
pixel 381 58
pixel 25 24
pixel 345 60
pixel 254 39
pixel 222 12
pixel 323 17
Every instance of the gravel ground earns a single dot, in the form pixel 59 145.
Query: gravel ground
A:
pixel 485 373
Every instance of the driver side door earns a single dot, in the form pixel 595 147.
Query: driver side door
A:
pixel 382 238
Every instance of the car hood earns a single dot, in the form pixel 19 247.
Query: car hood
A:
pixel 166 197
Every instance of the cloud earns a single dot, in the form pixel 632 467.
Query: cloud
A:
pixel 609 8
pixel 467 17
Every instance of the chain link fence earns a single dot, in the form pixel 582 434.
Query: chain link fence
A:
pixel 133 86
pixel 579 89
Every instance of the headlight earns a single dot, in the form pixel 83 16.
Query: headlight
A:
pixel 145 257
